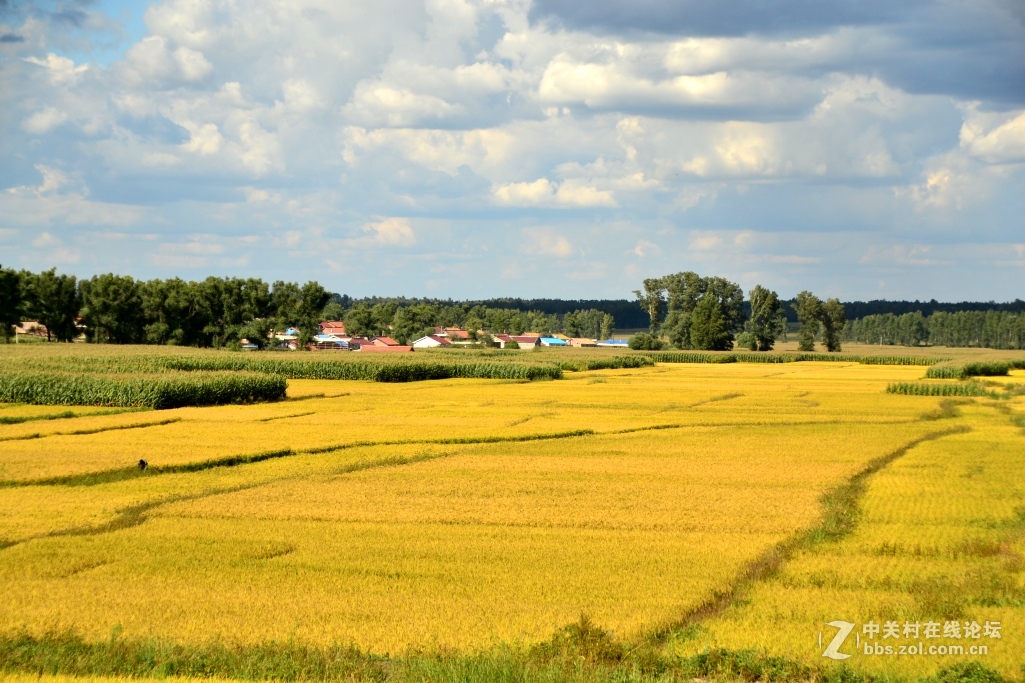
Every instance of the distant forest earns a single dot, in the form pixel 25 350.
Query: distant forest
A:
pixel 222 311
pixel 629 314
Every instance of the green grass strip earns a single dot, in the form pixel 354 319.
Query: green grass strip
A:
pixel 578 653
pixel 67 414
pixel 94 430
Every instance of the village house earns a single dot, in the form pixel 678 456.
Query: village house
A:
pixel 527 341
pixel 553 341
pixel 431 341
pixel 335 327
pixel 452 333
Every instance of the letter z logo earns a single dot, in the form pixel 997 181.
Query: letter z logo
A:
pixel 832 650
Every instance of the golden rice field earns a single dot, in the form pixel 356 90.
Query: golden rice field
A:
pixel 460 515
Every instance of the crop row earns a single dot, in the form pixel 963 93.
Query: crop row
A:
pixel 617 362
pixel 980 368
pixel 378 369
pixel 165 390
pixel 923 389
pixel 695 357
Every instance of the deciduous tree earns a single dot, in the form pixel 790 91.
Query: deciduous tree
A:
pixel 809 314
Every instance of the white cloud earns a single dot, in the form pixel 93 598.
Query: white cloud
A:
pixel 44 240
pixel 902 255
pixel 152 59
pixel 387 232
pixel 62 71
pixel 44 121
pixel 542 192
pixel 544 242
pixel 706 243
pixel 645 248
pixel 994 138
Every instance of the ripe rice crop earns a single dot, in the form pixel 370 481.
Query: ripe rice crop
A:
pixel 166 390
pixel 479 543
pixel 465 514
pixel 940 536
pixel 353 413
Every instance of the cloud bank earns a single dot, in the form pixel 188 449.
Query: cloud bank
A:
pixel 474 148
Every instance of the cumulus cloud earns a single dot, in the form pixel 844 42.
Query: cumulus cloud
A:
pixel 388 232
pixel 545 242
pixel 705 129
pixel 543 192
pixel 995 138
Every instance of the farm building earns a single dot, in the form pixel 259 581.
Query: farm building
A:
pixel 554 341
pixel 453 333
pixel 527 341
pixel 431 341
pixel 335 327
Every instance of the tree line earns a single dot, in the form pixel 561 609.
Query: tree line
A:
pixel 987 329
pixel 407 323
pixel 220 312
pixel 119 309
pixel 689 311
pixel 625 312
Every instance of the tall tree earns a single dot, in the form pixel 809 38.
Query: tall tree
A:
pixel 112 309
pixel 652 300
pixel 608 326
pixel 359 321
pixel 11 302
pixel 414 321
pixel 300 307
pixel 767 319
pixel 704 312
pixel 833 317
pixel 809 314
pixel 56 303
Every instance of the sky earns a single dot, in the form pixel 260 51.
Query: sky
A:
pixel 862 149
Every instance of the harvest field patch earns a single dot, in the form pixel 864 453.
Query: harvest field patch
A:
pixel 465 515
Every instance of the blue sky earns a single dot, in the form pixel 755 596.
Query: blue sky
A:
pixel 477 148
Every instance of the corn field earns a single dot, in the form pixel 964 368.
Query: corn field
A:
pixel 922 389
pixel 160 391
pixel 700 357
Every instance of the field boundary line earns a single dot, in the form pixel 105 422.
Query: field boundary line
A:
pixel 135 515
pixel 842 510
pixel 122 474
pixel 66 415
pixel 85 432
